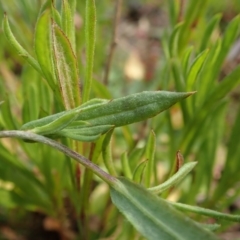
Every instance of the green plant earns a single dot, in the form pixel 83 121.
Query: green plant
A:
pixel 57 112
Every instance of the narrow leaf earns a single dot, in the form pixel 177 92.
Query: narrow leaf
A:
pixel 67 22
pixel 132 108
pixel 85 134
pixel 21 51
pixel 138 172
pixel 176 178
pixel 209 30
pixel 58 124
pixel 206 212
pixel 173 42
pixel 43 48
pixel 195 68
pixel 125 166
pixel 90 32
pixel 56 15
pixel 150 151
pixel 107 153
pixel 185 60
pixel 66 68
pixel 118 112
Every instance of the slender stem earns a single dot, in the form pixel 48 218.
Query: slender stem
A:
pixel 90 35
pixel 114 40
pixel 60 147
pixel 206 212
pixel 85 193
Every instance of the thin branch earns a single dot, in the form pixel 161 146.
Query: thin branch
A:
pixel 62 148
pixel 114 40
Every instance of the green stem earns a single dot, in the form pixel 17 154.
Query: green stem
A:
pixel 79 158
pixel 206 212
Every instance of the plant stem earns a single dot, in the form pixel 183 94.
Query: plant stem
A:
pixel 90 35
pixel 79 158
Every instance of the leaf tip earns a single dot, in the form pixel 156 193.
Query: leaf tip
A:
pixel 191 93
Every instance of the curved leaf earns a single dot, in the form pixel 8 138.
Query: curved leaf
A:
pixel 176 178
pixel 66 69
pixel 43 48
pixel 21 51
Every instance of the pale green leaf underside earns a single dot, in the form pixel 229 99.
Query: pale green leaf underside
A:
pixel 152 216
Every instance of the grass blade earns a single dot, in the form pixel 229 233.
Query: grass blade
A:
pixel 206 212
pixel 152 216
pixel 21 51
pixel 66 68
pixel 176 178
pixel 90 31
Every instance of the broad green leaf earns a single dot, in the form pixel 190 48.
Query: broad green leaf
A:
pixel 108 114
pixel 66 68
pixel 152 216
